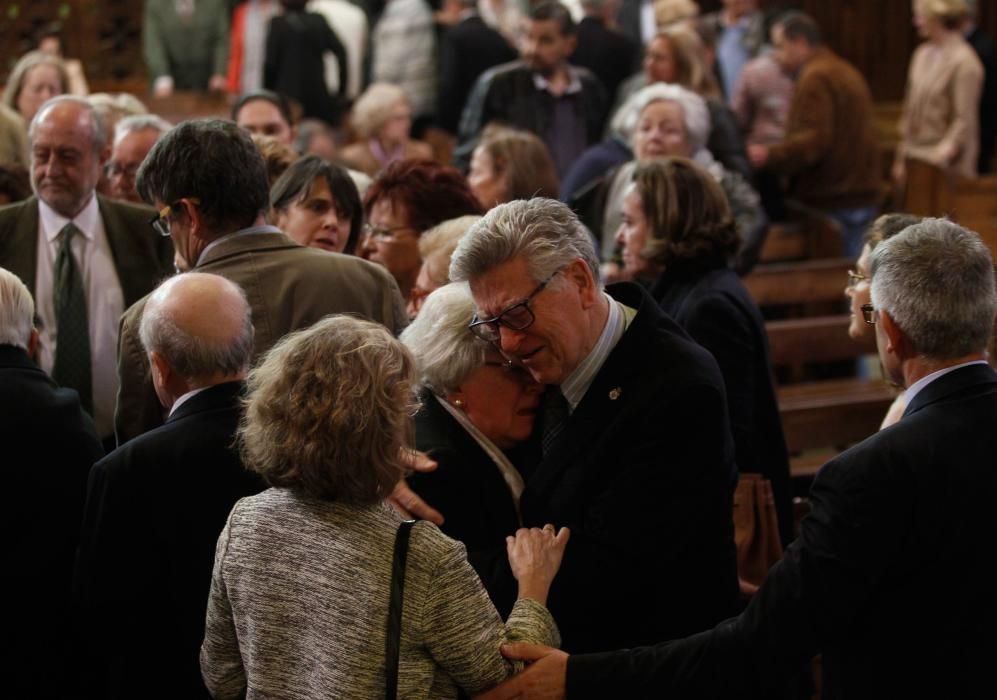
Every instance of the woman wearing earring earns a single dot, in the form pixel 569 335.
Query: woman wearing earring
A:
pixel 476 407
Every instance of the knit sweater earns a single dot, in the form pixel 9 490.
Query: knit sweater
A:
pixel 830 148
pixel 299 604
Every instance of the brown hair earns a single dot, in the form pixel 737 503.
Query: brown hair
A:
pixel 328 411
pixel 887 226
pixel 277 156
pixel 686 210
pixel 523 161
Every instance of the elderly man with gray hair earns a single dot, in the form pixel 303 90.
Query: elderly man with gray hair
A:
pixel 49 446
pixel 134 137
pixel 891 578
pixel 84 258
pixel 633 450
pixel 156 505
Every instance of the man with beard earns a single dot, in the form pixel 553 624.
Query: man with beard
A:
pixel 562 104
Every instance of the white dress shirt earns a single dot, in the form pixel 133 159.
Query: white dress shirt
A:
pixel 105 301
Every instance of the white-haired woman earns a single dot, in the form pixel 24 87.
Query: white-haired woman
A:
pixel 303 571
pixel 476 407
pixel 382 120
pixel 670 120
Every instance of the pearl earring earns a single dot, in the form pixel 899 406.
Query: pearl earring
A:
pixel 459 403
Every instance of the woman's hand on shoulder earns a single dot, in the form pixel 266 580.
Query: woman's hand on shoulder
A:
pixel 535 556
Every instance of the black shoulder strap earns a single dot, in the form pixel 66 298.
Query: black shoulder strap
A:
pixel 393 640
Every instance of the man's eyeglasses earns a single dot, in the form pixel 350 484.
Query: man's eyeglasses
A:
pixel 160 223
pixel 118 170
pixel 869 314
pixel 517 317
pixel 383 232
pixel 854 278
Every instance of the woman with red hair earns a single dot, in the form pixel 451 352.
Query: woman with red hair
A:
pixel 407 198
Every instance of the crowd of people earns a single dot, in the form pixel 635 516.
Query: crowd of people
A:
pixel 328 410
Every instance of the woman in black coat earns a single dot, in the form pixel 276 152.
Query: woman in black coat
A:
pixel 677 234
pixel 294 64
pixel 476 408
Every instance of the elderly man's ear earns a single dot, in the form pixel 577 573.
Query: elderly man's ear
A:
pixel 578 272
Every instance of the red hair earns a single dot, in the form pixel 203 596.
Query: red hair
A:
pixel 429 192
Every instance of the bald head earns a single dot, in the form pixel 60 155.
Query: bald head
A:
pixel 197 329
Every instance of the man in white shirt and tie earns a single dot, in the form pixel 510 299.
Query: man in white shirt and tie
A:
pixel 84 258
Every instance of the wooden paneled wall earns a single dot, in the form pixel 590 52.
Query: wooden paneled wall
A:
pixel 106 35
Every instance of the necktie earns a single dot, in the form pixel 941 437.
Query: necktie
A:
pixel 72 344
pixel 555 416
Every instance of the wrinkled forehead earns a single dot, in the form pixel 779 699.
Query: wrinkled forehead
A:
pixel 500 287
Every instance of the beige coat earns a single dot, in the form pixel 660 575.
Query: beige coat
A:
pixel 942 107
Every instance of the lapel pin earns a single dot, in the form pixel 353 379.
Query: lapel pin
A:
pixel 615 393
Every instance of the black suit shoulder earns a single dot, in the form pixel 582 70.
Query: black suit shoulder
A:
pixel 467 485
pixel 155 507
pixel 49 445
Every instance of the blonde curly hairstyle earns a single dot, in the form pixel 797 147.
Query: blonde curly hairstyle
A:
pixel 328 411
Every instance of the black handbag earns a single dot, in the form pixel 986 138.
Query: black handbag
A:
pixel 394 637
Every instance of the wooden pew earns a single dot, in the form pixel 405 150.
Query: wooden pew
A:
pixel 825 414
pixel 807 235
pixel 814 339
pixel 810 281
pixel 970 202
pixel 819 418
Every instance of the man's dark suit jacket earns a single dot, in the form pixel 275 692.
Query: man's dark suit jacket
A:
pixel 49 445
pixel 154 510
pixel 468 488
pixel 708 300
pixel 141 257
pixel 468 49
pixel 611 55
pixel 891 578
pixel 643 474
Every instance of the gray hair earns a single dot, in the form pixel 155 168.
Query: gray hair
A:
pixel 17 311
pixel 190 356
pixel 140 122
pixel 936 281
pixel 445 351
pixel 695 114
pixel 543 231
pixel 98 135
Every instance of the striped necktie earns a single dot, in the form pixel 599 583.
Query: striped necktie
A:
pixel 72 345
pixel 555 416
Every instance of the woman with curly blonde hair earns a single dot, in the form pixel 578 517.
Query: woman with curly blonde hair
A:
pixel 303 571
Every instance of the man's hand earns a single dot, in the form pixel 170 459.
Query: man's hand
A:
pixel 405 500
pixel 543 679
pixel 758 154
pixel 218 83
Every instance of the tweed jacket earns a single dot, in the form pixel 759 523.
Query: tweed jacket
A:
pixel 299 603
pixel 288 286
